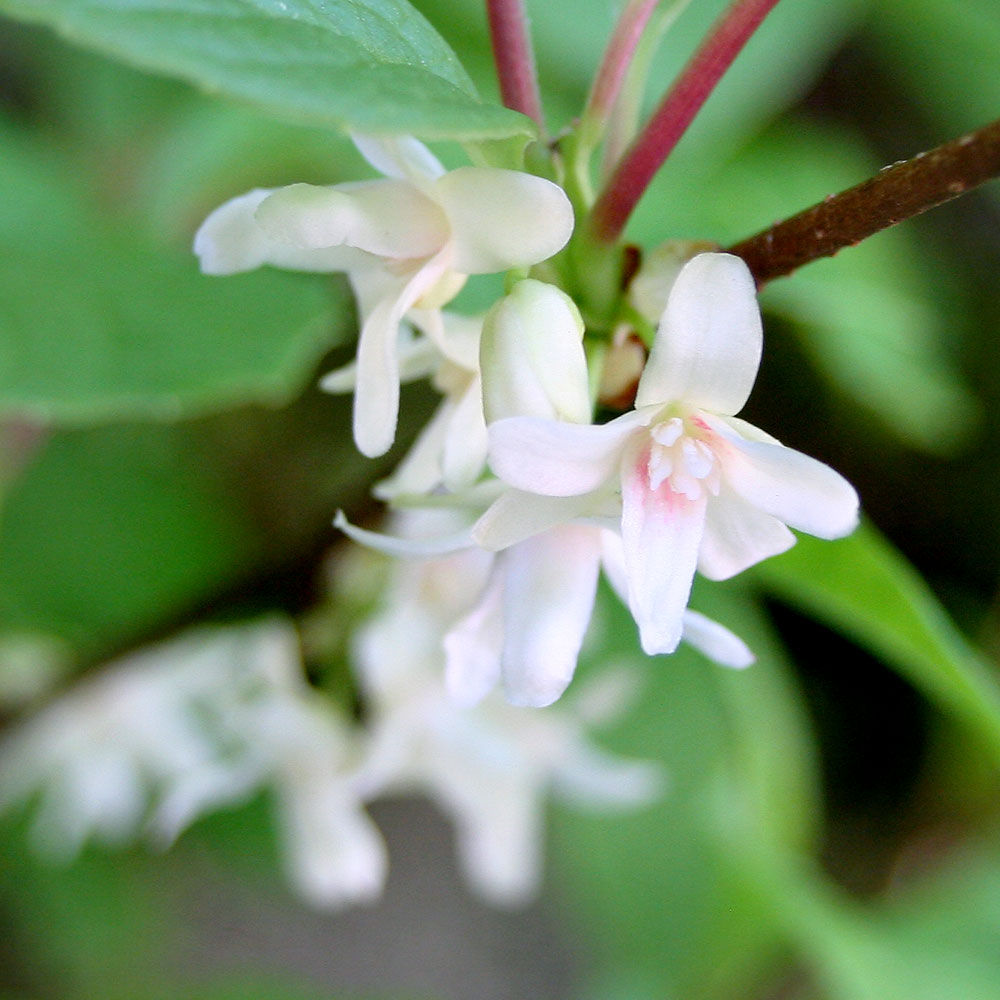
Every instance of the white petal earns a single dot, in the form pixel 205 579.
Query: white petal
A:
pixel 559 459
pixel 708 346
pixel 473 646
pixel 407 548
pixel 385 218
pixel 420 471
pixel 594 779
pixel 230 241
pixel 376 398
pixel 498 817
pixel 782 482
pixel 550 582
pixel 335 855
pixel 650 288
pixel 466 442
pixel 716 641
pixel 516 515
pixel 661 534
pixel 613 564
pixel 417 359
pixel 532 356
pixel 738 535
pixel 399 156
pixel 503 218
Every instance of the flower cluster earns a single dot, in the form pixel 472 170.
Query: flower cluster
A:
pixel 543 495
pixel 209 719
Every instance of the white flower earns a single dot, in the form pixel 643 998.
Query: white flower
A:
pixel 165 735
pixel 527 625
pixel 489 767
pixel 696 486
pixel 451 449
pixel 408 240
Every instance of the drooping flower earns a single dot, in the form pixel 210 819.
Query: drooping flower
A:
pixel 490 767
pixel 451 450
pixel 407 240
pixel 525 623
pixel 177 730
pixel 697 488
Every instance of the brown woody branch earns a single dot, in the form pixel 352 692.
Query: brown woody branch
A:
pixel 896 193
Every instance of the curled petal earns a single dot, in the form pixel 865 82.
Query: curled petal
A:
pixel 503 218
pixel 230 241
pixel 800 491
pixel 550 582
pixel 708 346
pixel 417 359
pixel 376 398
pixel 559 459
pixel 715 641
pixel 385 218
pixel 738 535
pixel 399 156
pixel 661 535
pixel 405 547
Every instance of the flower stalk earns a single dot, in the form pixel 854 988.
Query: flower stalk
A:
pixel 614 69
pixel 677 110
pixel 514 59
pixel 896 193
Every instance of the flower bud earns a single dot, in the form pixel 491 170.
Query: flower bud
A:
pixel 532 356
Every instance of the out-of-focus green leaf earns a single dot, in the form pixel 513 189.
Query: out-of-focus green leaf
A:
pixel 111 531
pixel 936 940
pixel 96 323
pixel 945 54
pixel 862 587
pixel 367 65
pixel 662 904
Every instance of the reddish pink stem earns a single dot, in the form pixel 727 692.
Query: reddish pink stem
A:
pixel 617 59
pixel 514 59
pixel 676 111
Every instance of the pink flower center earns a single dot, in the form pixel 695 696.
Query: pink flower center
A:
pixel 681 457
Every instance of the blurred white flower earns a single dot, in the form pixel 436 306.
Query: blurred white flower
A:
pixel 165 735
pixel 407 240
pixel 695 486
pixel 490 767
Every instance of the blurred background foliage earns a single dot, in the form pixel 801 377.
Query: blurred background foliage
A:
pixel 831 828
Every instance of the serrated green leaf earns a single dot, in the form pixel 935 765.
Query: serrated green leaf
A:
pixel 864 588
pixel 97 322
pixel 367 65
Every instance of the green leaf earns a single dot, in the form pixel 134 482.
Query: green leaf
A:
pixel 366 65
pixel 864 588
pixel 97 322
pixel 112 531
pixel 693 930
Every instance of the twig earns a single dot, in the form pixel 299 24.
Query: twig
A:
pixel 897 193
pixel 515 61
pixel 615 64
